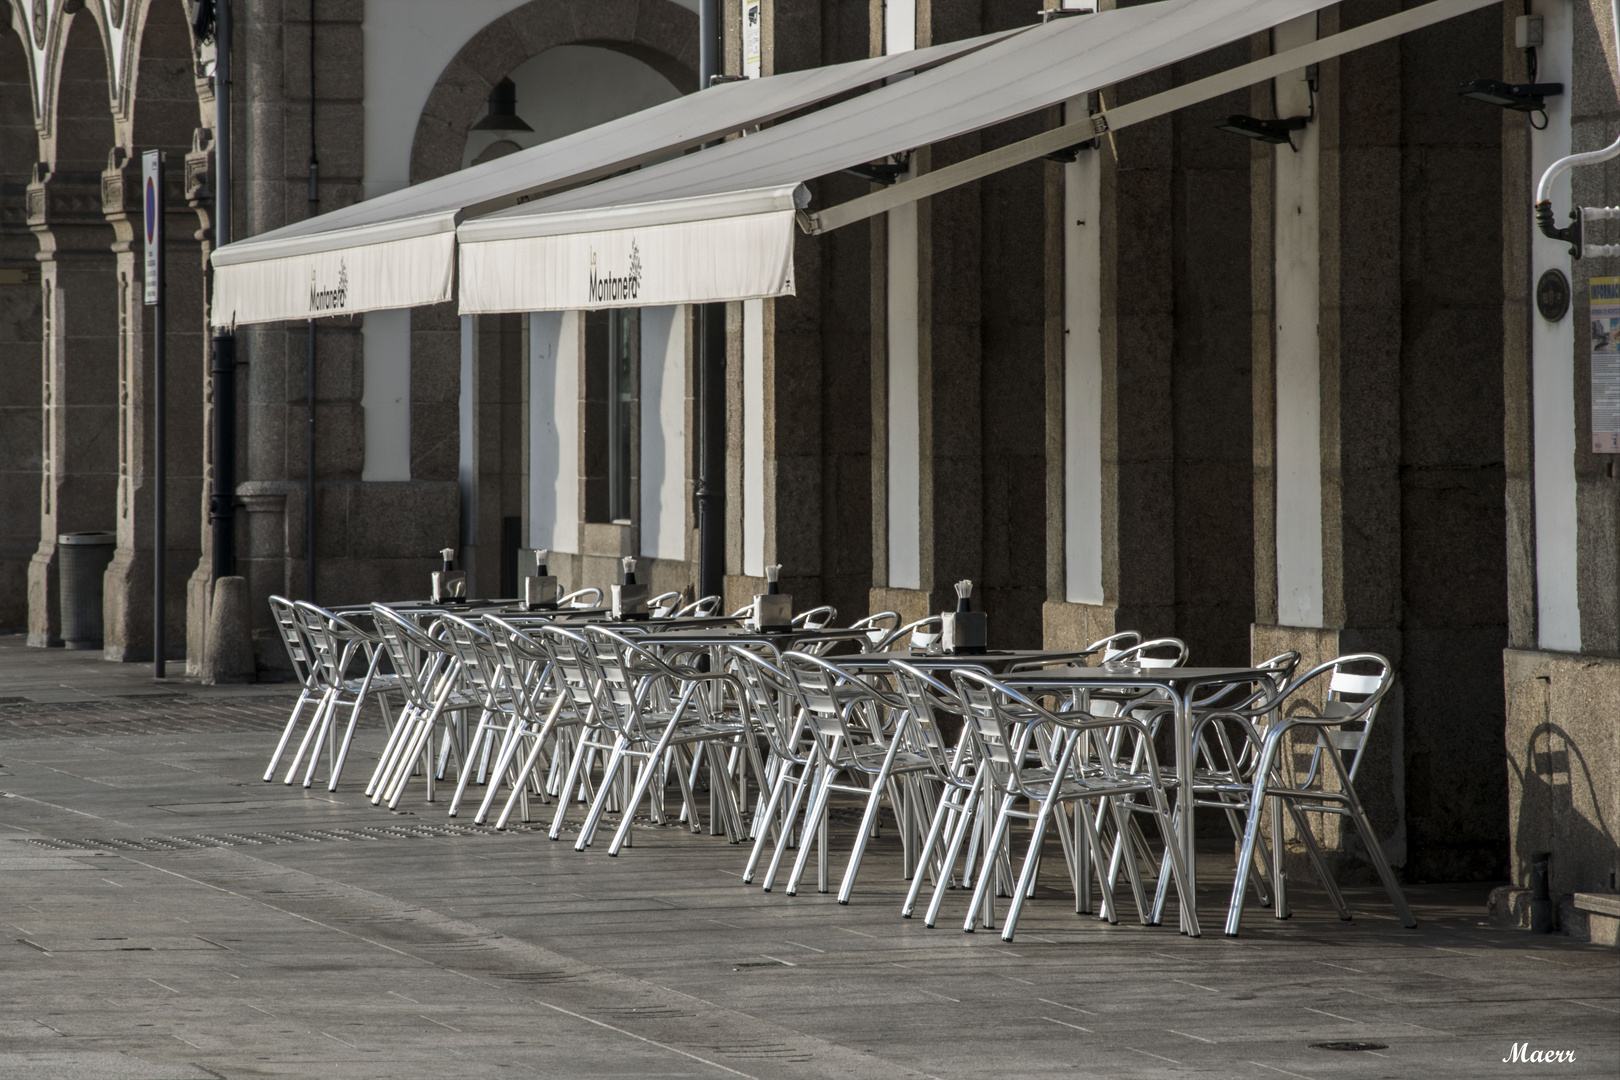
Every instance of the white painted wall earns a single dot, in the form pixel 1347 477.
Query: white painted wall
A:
pixel 663 432
pixel 1299 378
pixel 753 462
pixel 554 430
pixel 899 26
pixel 1558 614
pixel 905 431
pixel 467 460
pixel 1082 379
pixel 385 395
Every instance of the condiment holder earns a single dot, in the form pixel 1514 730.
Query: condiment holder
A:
pixel 448 582
pixel 773 609
pixel 540 589
pixel 629 597
pixel 964 631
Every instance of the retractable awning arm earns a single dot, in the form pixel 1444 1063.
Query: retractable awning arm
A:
pixel 1135 112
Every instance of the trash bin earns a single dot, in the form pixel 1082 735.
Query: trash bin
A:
pixel 85 557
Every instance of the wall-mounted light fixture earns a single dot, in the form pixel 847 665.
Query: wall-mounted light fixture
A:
pixel 1525 97
pixel 883 172
pixel 1267 131
pixel 502 115
pixel 1278 130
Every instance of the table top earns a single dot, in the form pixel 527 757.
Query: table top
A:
pixel 1168 676
pixel 739 635
pixel 991 660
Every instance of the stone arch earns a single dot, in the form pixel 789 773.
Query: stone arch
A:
pixel 156 110
pixel 79 294
pixel 660 33
pixel 77 128
pixel 20 314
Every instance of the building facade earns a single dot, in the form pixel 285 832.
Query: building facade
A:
pixel 1258 396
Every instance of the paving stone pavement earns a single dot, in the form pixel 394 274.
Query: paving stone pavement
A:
pixel 169 915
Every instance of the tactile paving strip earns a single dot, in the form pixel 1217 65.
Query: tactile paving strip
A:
pixel 413 831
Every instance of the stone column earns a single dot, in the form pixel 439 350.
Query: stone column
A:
pixel 128 599
pixel 1147 374
pixel 1410 511
pixel 80 385
pixel 21 310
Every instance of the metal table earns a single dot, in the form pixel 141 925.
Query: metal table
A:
pixel 778 641
pixel 1181 685
pixel 993 662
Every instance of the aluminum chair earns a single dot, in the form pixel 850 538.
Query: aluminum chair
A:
pixel 301 655
pixel 1054 759
pixel 588 597
pixel 919 636
pixel 956 771
pixel 707 606
pixel 485 676
pixel 862 748
pixel 656 709
pixel 339 648
pixel 1339 725
pixel 773 703
pixel 816 618
pixel 432 679
pixel 537 714
pixel 664 605
pixel 878 627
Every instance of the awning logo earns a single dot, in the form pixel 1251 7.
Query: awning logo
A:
pixel 608 288
pixel 334 299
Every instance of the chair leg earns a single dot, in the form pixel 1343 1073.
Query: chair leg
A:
pixel 643 778
pixel 764 824
pixel 1314 850
pixel 286 734
pixel 1240 882
pixel 1375 850
pixel 814 819
pixel 965 822
pixel 936 829
pixel 348 739
pixel 523 773
pixel 1279 861
pixel 804 783
pixel 593 816
pixel 987 874
pixel 1026 876
pixel 582 749
pixel 309 736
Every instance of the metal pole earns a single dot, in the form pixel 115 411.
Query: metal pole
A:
pixel 160 457
pixel 222 499
pixel 711 358
pixel 309 389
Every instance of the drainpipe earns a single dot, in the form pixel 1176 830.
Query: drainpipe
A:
pixel 309 390
pixel 222 500
pixel 711 357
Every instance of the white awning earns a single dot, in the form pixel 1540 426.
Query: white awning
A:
pixel 398 250
pixel 1014 77
pixel 728 247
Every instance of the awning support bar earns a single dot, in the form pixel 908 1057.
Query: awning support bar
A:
pixel 1135 112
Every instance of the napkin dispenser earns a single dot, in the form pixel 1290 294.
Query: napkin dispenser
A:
pixel 629 597
pixel 773 609
pixel 448 582
pixel 964 631
pixel 539 589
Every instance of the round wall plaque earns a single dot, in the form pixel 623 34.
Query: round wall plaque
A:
pixel 1552 295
